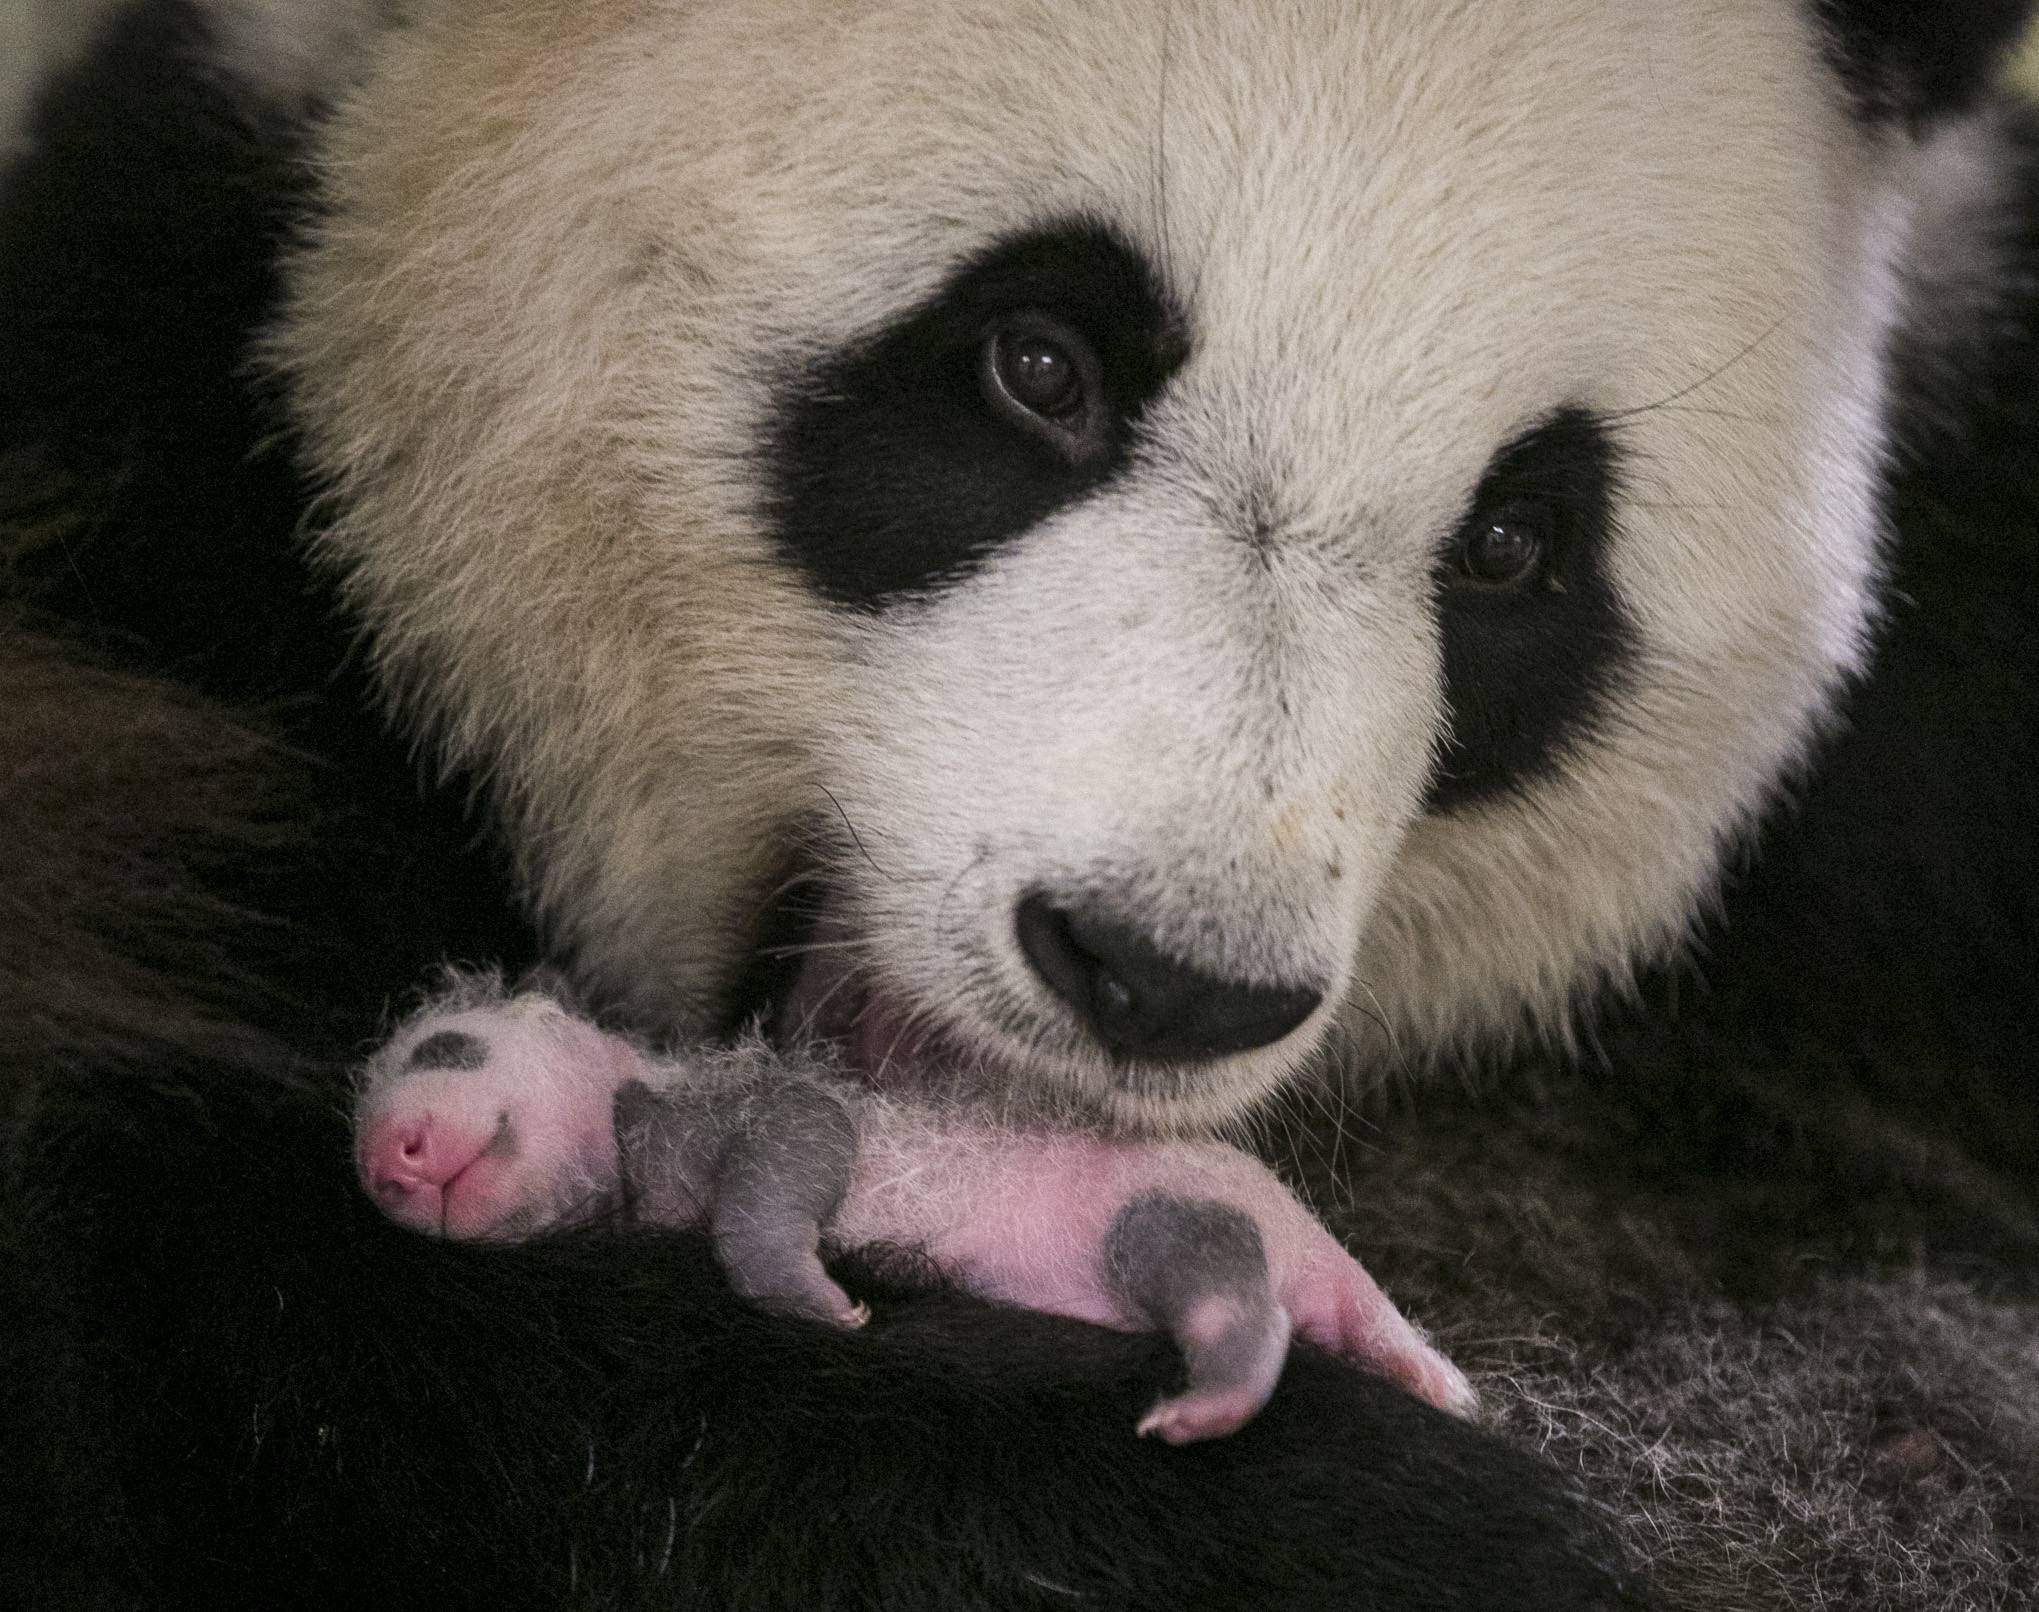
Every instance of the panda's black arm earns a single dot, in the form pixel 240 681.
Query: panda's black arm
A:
pixel 293 1399
pixel 230 1382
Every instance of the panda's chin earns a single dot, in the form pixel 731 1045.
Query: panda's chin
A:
pixel 877 1037
pixel 889 1042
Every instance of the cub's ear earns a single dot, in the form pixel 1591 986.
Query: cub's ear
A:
pixel 1915 61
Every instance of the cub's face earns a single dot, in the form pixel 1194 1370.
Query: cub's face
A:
pixel 1193 527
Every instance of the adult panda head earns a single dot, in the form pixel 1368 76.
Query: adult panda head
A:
pixel 1203 527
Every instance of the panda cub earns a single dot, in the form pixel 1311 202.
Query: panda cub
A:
pixel 490 1116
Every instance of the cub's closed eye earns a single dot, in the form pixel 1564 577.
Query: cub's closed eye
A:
pixel 1039 375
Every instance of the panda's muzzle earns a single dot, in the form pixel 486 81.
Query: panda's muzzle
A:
pixel 1141 1003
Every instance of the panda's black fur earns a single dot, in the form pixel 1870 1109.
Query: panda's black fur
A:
pixel 1765 1271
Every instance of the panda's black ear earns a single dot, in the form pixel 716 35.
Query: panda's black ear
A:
pixel 1915 61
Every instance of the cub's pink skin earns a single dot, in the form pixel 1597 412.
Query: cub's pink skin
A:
pixel 493 1117
pixel 1067 1223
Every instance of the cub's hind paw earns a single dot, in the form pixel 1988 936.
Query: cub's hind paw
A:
pixel 1197 1269
pixel 1215 1251
pixel 1339 1307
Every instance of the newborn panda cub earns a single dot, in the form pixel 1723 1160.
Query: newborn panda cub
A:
pixel 494 1116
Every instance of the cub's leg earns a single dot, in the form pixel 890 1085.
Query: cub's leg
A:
pixel 1197 1270
pixel 1194 1239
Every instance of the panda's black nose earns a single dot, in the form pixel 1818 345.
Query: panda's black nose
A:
pixel 1142 1003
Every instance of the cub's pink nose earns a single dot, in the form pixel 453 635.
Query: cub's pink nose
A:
pixel 408 1163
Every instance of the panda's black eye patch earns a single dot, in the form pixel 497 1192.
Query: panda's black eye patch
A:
pixel 902 463
pixel 1535 643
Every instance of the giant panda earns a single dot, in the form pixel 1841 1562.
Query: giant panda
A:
pixel 1446 589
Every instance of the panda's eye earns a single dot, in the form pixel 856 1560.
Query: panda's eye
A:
pixel 1037 372
pixel 1506 546
pixel 1041 376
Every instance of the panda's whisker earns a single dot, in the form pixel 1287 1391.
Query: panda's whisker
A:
pixel 1300 1139
pixel 1164 224
pixel 1748 348
pixel 816 1010
pixel 855 837
pixel 805 878
pixel 1712 412
pixel 949 890
pixel 1377 1014
pixel 1251 1130
pixel 1340 1113
pixel 808 948
pixel 1328 1142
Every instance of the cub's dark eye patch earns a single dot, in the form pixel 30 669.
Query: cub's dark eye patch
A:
pixel 902 463
pixel 448 1049
pixel 1534 639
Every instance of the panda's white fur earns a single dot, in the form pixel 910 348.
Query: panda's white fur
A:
pixel 571 248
